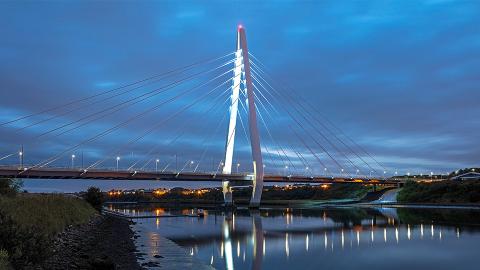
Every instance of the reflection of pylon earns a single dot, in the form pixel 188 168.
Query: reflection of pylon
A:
pixel 243 79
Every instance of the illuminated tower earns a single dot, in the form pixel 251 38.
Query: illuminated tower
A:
pixel 242 78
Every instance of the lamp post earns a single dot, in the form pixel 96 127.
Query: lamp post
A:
pixel 20 156
pixel 384 172
pixel 73 161
pixel 118 159
pixel 156 164
pixel 306 170
pixel 238 166
pixel 285 170
pixel 431 175
pixel 325 171
pixel 191 164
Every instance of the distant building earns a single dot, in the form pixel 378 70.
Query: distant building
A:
pixel 467 176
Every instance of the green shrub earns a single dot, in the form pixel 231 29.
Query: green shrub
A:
pixel 10 186
pixel 4 264
pixel 29 223
pixel 440 192
pixel 94 197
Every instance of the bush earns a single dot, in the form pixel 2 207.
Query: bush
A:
pixel 440 192
pixel 10 186
pixel 26 245
pixel 4 264
pixel 94 197
pixel 29 223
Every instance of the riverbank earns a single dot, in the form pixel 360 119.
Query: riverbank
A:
pixel 441 193
pixel 30 222
pixel 103 243
pixel 55 231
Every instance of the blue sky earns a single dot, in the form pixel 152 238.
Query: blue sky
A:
pixel 399 77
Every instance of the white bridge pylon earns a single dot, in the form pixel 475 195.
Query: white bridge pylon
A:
pixel 243 81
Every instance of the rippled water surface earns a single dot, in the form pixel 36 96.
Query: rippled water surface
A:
pixel 333 238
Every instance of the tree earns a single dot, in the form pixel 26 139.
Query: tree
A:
pixel 94 197
pixel 10 186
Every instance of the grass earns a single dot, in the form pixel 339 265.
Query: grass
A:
pixel 31 221
pixel 448 192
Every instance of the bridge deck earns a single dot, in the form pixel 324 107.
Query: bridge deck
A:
pixel 62 173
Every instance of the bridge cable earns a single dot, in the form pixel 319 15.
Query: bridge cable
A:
pixel 124 104
pixel 301 114
pixel 115 89
pixel 108 131
pixel 303 128
pixel 103 100
pixel 271 120
pixel 185 124
pixel 174 115
pixel 308 103
pixel 315 128
pixel 265 145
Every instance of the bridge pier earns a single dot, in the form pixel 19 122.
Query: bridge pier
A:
pixel 227 194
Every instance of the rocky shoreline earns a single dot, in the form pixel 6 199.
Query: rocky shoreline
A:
pixel 106 242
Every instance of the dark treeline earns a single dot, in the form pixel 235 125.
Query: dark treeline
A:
pixel 467 191
pixel 215 195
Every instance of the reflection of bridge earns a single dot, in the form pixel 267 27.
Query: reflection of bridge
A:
pixel 325 149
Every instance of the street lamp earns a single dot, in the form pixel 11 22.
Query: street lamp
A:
pixel 285 171
pixel 20 156
pixel 325 171
pixel 156 164
pixel 384 172
pixel 356 174
pixel 431 175
pixel 342 171
pixel 191 164
pixel 306 170
pixel 118 159
pixel 73 160
pixel 238 165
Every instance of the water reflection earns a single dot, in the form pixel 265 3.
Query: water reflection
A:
pixel 312 238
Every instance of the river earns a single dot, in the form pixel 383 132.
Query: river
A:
pixel 319 238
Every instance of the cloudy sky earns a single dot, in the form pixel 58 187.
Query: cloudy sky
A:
pixel 400 78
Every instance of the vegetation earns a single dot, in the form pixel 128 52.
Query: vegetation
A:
pixel 214 195
pixel 4 264
pixel 10 187
pixel 29 223
pixel 94 197
pixel 440 192
pixel 307 192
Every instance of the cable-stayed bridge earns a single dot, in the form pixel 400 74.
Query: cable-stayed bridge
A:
pixel 282 137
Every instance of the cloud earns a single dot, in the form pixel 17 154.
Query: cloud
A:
pixel 400 79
